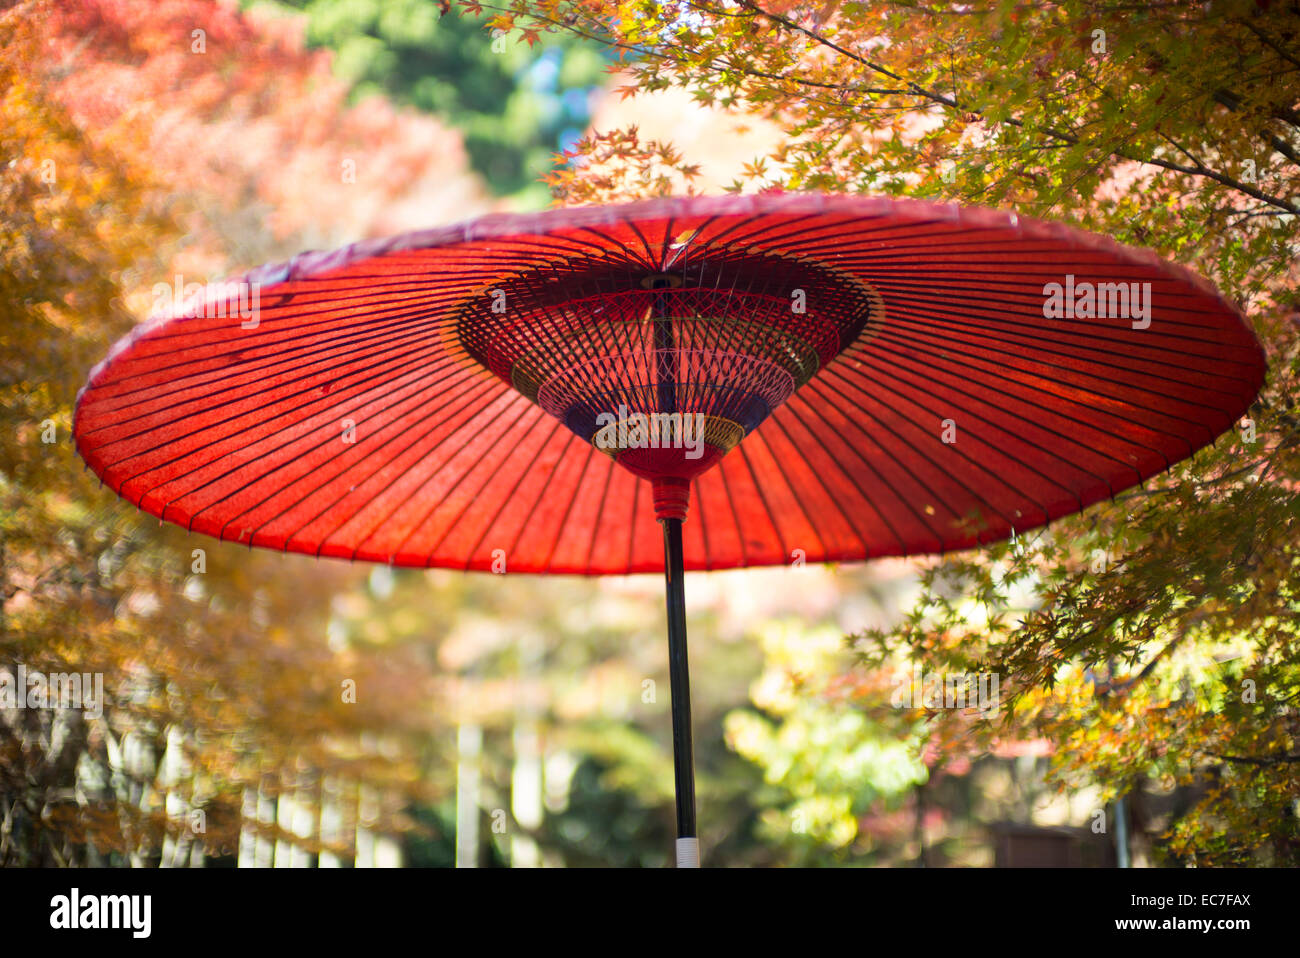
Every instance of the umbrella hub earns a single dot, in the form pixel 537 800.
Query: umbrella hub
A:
pixel 665 370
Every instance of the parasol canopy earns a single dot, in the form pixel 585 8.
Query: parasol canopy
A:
pixel 768 377
pixel 472 362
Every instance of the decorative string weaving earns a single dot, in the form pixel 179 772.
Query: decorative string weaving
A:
pixel 665 371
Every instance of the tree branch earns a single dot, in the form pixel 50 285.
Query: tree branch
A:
pixel 1265 762
pixel 951 103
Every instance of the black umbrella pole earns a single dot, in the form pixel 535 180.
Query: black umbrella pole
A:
pixel 679 680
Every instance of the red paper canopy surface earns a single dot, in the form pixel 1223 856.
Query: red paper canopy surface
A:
pixel 947 376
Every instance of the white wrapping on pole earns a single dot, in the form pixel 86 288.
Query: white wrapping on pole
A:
pixel 688 853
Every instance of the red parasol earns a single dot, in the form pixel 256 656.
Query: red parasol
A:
pixel 832 377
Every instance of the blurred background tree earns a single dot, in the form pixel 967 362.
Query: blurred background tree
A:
pixel 225 732
pixel 515 101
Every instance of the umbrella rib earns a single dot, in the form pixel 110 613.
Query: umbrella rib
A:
pixel 413 400
pixel 884 354
pixel 735 517
pixel 469 422
pixel 880 477
pixel 379 347
pixel 602 500
pixel 1058 404
pixel 415 316
pixel 992 284
pixel 793 413
pixel 541 493
pixel 925 346
pixel 479 429
pixel 881 236
pixel 834 243
pixel 631 254
pixel 697 502
pixel 433 549
pixel 568 509
pixel 601 251
pixel 987 317
pixel 759 435
pixel 1060 401
pixel 843 375
pixel 651 258
pixel 632 526
pixel 917 323
pixel 834 370
pixel 911 447
pixel 335 400
pixel 358 398
pixel 663 246
pixel 763 231
pixel 762 498
pixel 683 253
pixel 523 474
pixel 1001 450
pixel 470 387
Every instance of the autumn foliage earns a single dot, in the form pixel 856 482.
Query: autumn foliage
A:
pixel 1152 641
pixel 141 140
